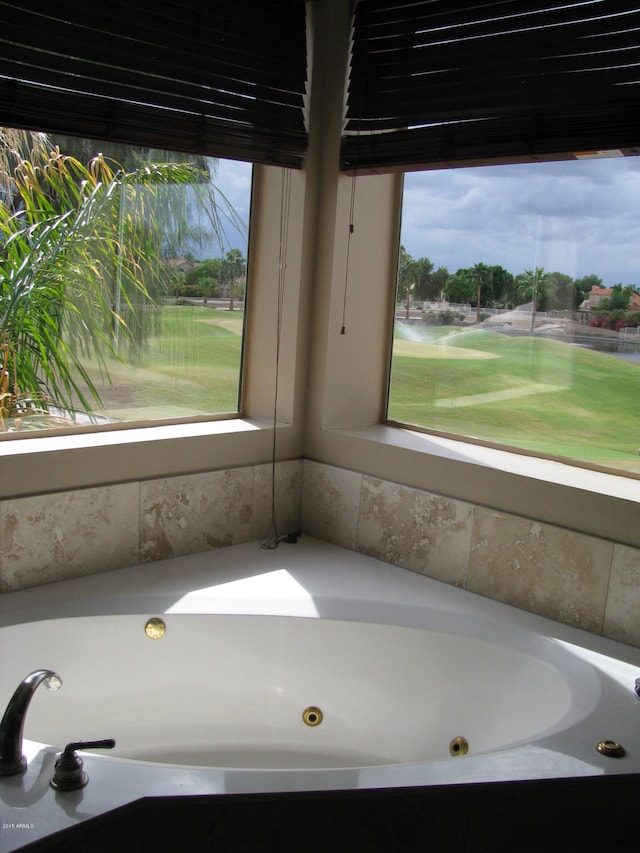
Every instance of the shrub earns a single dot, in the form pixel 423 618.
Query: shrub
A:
pixel 613 320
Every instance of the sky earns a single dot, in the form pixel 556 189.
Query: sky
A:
pixel 233 179
pixel 576 217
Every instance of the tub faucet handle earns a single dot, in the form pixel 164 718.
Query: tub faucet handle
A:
pixel 637 687
pixel 69 775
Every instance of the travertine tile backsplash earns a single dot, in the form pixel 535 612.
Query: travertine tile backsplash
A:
pixel 70 534
pixel 53 537
pixel 541 568
pixel 186 515
pixel 581 580
pixel 417 530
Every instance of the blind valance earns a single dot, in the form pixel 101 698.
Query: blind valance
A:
pixel 225 78
pixel 450 81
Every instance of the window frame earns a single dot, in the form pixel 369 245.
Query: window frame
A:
pixel 476 441
pixel 46 462
pixel 100 425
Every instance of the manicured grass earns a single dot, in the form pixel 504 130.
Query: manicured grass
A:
pixel 191 367
pixel 533 393
pixel 537 394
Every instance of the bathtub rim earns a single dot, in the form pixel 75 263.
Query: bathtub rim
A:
pixel 371 591
pixel 368 591
pixel 583 687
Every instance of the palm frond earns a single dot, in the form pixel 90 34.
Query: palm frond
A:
pixel 82 251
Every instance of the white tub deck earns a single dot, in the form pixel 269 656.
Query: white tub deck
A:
pixel 313 580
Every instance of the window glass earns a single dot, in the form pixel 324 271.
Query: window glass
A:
pixel 518 308
pixel 123 283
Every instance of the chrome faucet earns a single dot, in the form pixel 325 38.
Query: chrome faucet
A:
pixel 12 761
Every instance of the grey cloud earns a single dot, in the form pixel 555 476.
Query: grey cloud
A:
pixel 574 217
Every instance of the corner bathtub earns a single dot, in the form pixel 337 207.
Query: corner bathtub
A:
pixel 303 668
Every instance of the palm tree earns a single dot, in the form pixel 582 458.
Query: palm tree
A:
pixel 82 265
pixel 406 279
pixel 232 267
pixel 482 276
pixel 15 147
pixel 532 285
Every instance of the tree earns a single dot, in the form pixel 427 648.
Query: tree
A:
pixel 417 278
pixel 438 282
pixel 562 294
pixel 204 279
pixel 406 274
pixel 531 286
pixel 424 285
pixel 17 146
pixel 482 275
pixel 612 311
pixel 83 258
pixel 232 268
pixel 502 283
pixel 471 285
pixel 585 285
pixel 619 300
pixel 461 287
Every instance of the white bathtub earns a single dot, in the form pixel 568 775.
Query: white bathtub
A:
pixel 409 682
pixel 231 691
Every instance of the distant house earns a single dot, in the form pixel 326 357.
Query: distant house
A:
pixel 182 265
pixel 597 294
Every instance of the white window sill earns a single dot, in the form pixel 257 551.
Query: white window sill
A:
pixel 42 443
pixel 547 470
pixel 41 464
pixel 591 502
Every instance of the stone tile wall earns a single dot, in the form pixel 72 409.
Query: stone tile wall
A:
pixel 53 537
pixel 581 580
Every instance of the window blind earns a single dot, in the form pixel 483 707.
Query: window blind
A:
pixel 435 82
pixel 224 78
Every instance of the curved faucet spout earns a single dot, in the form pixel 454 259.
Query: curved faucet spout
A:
pixel 12 761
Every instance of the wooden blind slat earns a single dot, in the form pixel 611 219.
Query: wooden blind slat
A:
pixel 498 74
pixel 198 76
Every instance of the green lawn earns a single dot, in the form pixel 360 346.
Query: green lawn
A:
pixel 533 393
pixel 191 367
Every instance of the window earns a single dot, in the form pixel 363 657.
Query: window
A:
pixel 123 283
pixel 518 308
pixel 218 80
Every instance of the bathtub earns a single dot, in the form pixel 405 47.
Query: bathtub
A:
pixel 304 668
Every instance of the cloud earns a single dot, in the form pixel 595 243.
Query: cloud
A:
pixel 576 217
pixel 233 179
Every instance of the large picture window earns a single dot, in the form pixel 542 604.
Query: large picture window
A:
pixel 123 283
pixel 518 308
